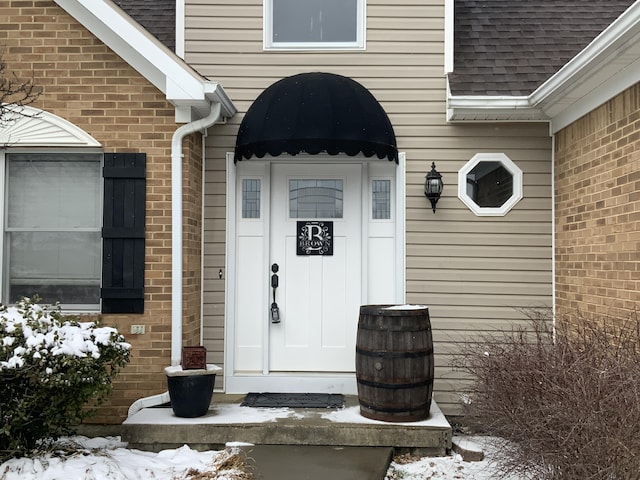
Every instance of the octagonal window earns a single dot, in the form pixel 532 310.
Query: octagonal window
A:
pixel 490 184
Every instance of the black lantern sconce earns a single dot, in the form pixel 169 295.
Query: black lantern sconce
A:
pixel 433 186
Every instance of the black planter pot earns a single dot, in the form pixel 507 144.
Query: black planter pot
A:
pixel 190 391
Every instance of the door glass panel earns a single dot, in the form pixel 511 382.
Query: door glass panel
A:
pixel 381 199
pixel 315 198
pixel 251 198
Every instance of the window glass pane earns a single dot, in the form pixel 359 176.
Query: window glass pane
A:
pixel 306 21
pixel 53 221
pixel 250 198
pixel 489 184
pixel 53 191
pixel 59 267
pixel 381 199
pixel 315 198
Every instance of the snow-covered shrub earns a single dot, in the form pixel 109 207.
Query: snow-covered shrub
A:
pixel 566 399
pixel 50 367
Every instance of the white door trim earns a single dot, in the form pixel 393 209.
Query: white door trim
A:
pixel 331 383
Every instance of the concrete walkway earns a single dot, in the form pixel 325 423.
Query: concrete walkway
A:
pixel 294 462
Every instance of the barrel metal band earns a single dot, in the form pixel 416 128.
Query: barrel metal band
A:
pixel 394 328
pixel 394 354
pixel 404 409
pixel 394 386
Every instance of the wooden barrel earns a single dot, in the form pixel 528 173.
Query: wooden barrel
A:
pixel 394 362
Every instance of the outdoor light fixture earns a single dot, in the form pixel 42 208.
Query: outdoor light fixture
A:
pixel 433 186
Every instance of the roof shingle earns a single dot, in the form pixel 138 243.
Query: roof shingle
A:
pixel 158 17
pixel 511 47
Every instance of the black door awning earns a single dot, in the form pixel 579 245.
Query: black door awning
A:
pixel 315 113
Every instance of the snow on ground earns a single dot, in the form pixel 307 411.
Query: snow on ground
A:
pixel 109 459
pixel 82 458
pixel 451 467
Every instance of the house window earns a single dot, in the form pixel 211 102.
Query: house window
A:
pixel 490 184
pixel 52 225
pixel 314 24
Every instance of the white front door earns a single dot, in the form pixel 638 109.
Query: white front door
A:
pixel 312 348
pixel 316 243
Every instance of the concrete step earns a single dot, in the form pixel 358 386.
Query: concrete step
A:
pixel 155 429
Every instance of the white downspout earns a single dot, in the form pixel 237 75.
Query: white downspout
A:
pixel 176 226
pixel 176 248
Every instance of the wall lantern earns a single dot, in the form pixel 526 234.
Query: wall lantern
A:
pixel 433 186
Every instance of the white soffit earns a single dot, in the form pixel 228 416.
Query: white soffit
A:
pixel 607 66
pixel 166 71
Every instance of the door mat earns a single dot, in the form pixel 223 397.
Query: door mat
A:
pixel 294 400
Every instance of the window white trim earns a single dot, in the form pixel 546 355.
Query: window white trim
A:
pixel 506 162
pixel 269 44
pixel 4 270
pixel 3 274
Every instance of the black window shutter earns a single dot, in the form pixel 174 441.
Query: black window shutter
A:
pixel 123 233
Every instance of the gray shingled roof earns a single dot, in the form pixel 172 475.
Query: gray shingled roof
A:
pixel 510 47
pixel 158 17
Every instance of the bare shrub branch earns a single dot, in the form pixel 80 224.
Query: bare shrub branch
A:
pixel 15 94
pixel 567 401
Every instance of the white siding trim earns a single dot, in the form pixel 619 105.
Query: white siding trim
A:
pixel 180 26
pixel 553 231
pixel 449 30
pixel 230 268
pixel 401 230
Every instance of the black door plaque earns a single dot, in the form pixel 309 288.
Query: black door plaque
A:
pixel 314 238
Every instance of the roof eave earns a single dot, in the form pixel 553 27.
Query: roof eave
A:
pixel 492 109
pixel 607 66
pixel 184 87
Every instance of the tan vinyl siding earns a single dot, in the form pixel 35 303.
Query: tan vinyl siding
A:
pixel 475 273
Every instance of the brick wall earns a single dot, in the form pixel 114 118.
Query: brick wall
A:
pixel 597 201
pixel 87 84
pixel 192 241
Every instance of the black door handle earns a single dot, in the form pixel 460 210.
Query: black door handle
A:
pixel 275 311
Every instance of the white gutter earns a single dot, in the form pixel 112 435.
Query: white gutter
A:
pixel 176 225
pixel 146 402
pixel 176 248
